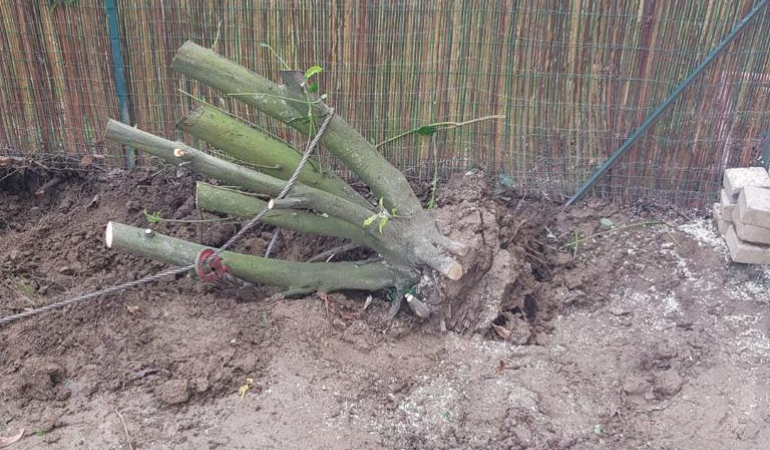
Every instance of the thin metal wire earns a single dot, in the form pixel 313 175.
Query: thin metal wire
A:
pixel 166 273
pixel 273 241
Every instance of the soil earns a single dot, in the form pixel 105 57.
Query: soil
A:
pixel 641 338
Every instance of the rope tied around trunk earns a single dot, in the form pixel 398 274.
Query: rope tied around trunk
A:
pixel 167 273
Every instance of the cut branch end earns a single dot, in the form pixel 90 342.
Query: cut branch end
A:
pixel 108 235
pixel 455 272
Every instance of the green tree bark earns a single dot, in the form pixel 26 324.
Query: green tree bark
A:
pixel 266 153
pixel 299 277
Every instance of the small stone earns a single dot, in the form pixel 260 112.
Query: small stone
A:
pixel 634 385
pixel 201 385
pixel 619 311
pixel 173 392
pixel 668 383
pixel 562 259
pixel 49 422
pixel 51 438
pixel 748 431
pixel 663 350
pixel 13 255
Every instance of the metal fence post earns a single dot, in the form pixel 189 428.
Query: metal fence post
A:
pixel 607 164
pixel 120 78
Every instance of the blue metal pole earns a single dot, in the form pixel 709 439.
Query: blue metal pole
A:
pixel 606 165
pixel 120 77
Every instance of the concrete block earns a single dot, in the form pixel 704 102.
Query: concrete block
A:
pixel 728 205
pixel 722 225
pixel 754 206
pixel 738 178
pixel 743 252
pixel 750 233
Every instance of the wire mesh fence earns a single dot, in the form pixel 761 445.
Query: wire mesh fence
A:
pixel 573 79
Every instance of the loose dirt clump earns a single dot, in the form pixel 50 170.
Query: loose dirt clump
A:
pixel 641 337
pixel 498 276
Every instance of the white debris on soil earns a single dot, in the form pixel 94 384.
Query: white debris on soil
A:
pixel 704 231
pixel 663 304
pixel 754 344
pixel 670 304
pixel 431 407
pixel 756 289
pixel 751 343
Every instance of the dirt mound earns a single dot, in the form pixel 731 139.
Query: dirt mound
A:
pixel 641 336
pixel 498 277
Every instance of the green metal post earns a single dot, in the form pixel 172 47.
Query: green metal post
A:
pixel 606 165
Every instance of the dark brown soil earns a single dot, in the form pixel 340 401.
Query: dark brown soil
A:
pixel 643 338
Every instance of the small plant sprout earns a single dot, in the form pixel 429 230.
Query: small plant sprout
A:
pixel 383 216
pixel 312 86
pixel 244 388
pixel 152 217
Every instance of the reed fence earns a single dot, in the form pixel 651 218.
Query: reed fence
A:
pixel 572 77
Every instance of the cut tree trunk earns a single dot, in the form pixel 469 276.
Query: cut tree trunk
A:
pixel 412 241
pixel 410 244
pixel 422 244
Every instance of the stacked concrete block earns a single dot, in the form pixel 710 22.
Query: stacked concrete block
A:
pixel 743 214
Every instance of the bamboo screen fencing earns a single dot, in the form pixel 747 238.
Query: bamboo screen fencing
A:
pixel 572 77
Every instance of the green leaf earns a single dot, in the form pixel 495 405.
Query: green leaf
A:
pixel 313 87
pixel 369 221
pixel 313 70
pixel 383 221
pixel 152 218
pixel 505 180
pixel 606 222
pixel 426 130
